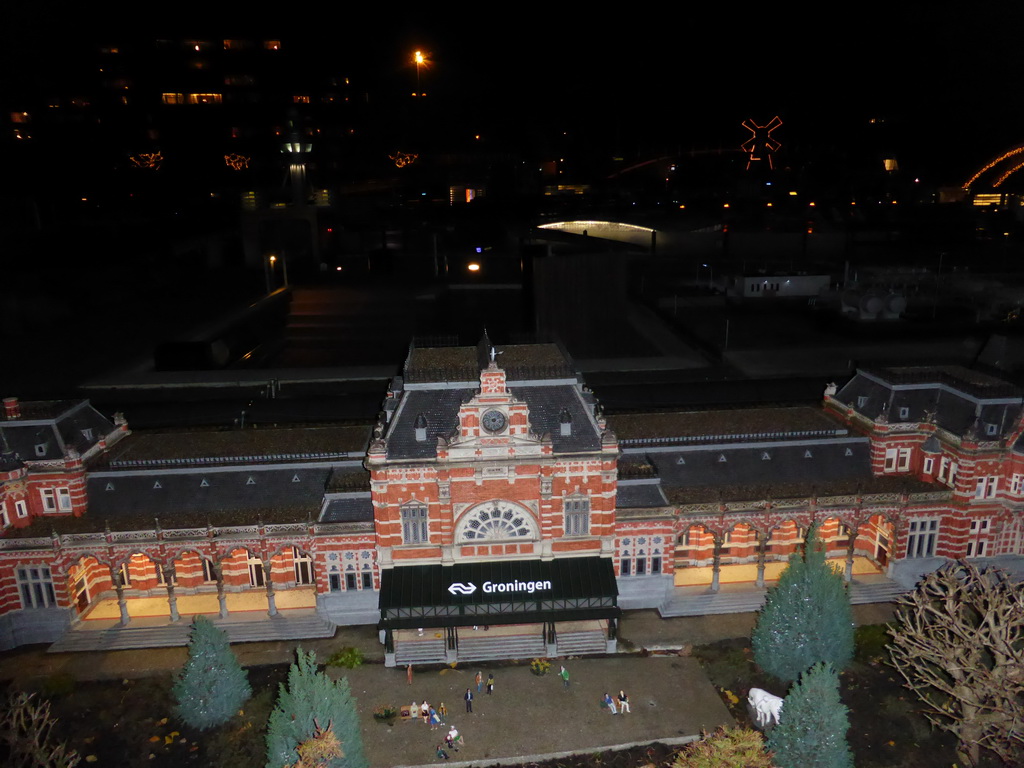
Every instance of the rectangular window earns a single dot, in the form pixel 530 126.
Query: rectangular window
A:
pixel 655 565
pixel 641 566
pixel 1016 484
pixel 126 577
pixel 303 567
pixel 985 488
pixel 367 580
pixel 5 519
pixel 897 459
pixel 161 576
pixel 929 465
pixel 209 573
pixel 205 98
pixel 334 580
pixel 577 517
pixel 414 525
pixel 921 541
pixel 172 98
pixel 624 568
pixel 350 581
pixel 36 587
pixel 256 573
pixel 64 499
pixel 49 499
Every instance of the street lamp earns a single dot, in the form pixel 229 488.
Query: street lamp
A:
pixel 420 61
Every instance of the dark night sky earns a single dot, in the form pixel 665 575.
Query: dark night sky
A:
pixel 945 75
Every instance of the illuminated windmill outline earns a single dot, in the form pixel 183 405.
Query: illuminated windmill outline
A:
pixel 761 144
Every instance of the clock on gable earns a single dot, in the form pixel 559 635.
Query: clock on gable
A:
pixel 493 420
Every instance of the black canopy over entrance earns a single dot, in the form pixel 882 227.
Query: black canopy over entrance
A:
pixel 499 592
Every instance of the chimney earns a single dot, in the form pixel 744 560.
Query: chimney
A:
pixel 11 408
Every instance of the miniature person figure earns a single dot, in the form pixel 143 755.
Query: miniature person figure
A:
pixel 414 711
pixel 490 683
pixel 469 700
pixel 442 710
pixel 435 719
pixel 408 674
pixel 479 681
pixel 425 712
pixel 453 738
pixel 623 702
pixel 564 674
pixel 441 754
pixel 610 703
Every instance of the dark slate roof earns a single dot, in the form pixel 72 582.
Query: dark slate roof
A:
pixel 351 508
pixel 182 500
pixel 440 407
pixel 960 399
pixel 521 362
pixel 632 495
pixel 56 425
pixel 228 446
pixel 730 468
pixel 736 424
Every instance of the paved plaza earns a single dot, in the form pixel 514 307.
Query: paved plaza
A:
pixel 671 698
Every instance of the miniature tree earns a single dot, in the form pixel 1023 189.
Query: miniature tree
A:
pixel 310 699
pixel 812 728
pixel 725 748
pixel 212 686
pixel 806 617
pixel 959 644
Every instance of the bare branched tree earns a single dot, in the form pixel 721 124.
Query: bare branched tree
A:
pixel 25 729
pixel 959 645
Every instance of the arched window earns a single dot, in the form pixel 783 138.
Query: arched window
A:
pixel 495 521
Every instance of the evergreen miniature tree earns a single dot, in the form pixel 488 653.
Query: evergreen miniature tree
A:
pixel 212 686
pixel 310 704
pixel 806 617
pixel 812 728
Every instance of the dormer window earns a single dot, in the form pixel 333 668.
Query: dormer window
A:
pixel 991 429
pixel 862 400
pixel 421 428
pixel 87 433
pixel 904 412
pixel 41 449
pixel 564 423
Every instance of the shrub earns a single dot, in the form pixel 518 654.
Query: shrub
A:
pixel 212 686
pixel 348 657
pixel 812 728
pixel 725 748
pixel 806 618
pixel 309 705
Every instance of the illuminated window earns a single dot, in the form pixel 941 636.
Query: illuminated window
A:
pixel 20 117
pixel 172 98
pixel 205 98
pixel 300 99
pixel 272 45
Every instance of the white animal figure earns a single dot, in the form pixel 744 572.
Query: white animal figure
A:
pixel 767 707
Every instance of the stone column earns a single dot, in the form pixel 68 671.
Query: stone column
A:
pixel 271 603
pixel 716 565
pixel 762 556
pixel 851 545
pixel 122 604
pixel 222 599
pixel 172 601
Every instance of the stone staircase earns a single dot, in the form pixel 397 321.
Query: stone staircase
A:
pixel 747 599
pixel 142 633
pixel 581 643
pixel 480 647
pixel 421 651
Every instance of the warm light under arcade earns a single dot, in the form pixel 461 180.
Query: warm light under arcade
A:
pixel 473 267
